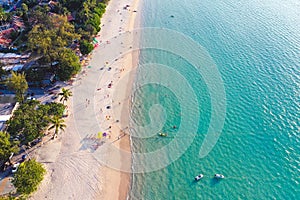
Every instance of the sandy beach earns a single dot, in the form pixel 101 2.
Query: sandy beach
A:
pixel 115 179
pixel 72 160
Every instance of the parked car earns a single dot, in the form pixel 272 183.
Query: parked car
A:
pixel 15 167
pixel 54 97
pixel 36 141
pixel 31 98
pixel 24 157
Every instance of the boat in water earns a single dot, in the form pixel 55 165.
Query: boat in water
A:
pixel 162 134
pixel 200 176
pixel 219 176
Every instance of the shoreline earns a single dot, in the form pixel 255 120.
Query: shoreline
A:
pixel 117 179
pixel 74 170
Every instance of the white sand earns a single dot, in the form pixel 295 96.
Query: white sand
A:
pixel 73 171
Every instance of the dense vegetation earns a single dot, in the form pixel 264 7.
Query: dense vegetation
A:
pixel 17 83
pixel 7 146
pixel 28 177
pixel 31 119
pixel 86 47
pixel 52 32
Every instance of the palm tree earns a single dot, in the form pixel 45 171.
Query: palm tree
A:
pixel 65 94
pixel 57 124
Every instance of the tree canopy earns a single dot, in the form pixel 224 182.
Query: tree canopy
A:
pixel 68 64
pixel 51 36
pixel 57 124
pixel 17 82
pixel 86 47
pixel 29 175
pixel 65 95
pixel 3 15
pixel 7 147
pixel 48 40
pixel 31 119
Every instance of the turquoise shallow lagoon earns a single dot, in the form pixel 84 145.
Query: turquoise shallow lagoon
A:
pixel 256 48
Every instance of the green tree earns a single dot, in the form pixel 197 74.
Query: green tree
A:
pixel 94 20
pixel 7 147
pixel 3 72
pixel 52 109
pixel 17 82
pixel 24 7
pixel 89 16
pixel 32 118
pixel 71 5
pixel 3 15
pixel 29 121
pixel 29 175
pixel 31 3
pixel 86 47
pixel 35 75
pixel 100 9
pixel 65 95
pixel 68 66
pixel 57 124
pixel 39 15
pixel 48 40
pixel 40 40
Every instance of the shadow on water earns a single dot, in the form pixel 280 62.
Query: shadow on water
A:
pixel 194 183
pixel 214 181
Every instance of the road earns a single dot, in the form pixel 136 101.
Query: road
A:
pixel 5 182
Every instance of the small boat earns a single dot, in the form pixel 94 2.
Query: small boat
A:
pixel 200 176
pixel 219 176
pixel 162 134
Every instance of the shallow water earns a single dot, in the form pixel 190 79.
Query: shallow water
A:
pixel 256 48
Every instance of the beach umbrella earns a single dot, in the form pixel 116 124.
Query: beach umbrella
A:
pixel 89 66
pixel 104 134
pixel 100 135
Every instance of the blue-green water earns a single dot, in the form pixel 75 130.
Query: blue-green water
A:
pixel 256 47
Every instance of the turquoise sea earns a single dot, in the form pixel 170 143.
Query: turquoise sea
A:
pixel 256 48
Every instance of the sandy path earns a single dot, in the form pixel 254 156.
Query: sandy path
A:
pixel 73 170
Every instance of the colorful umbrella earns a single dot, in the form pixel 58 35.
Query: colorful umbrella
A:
pixel 100 135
